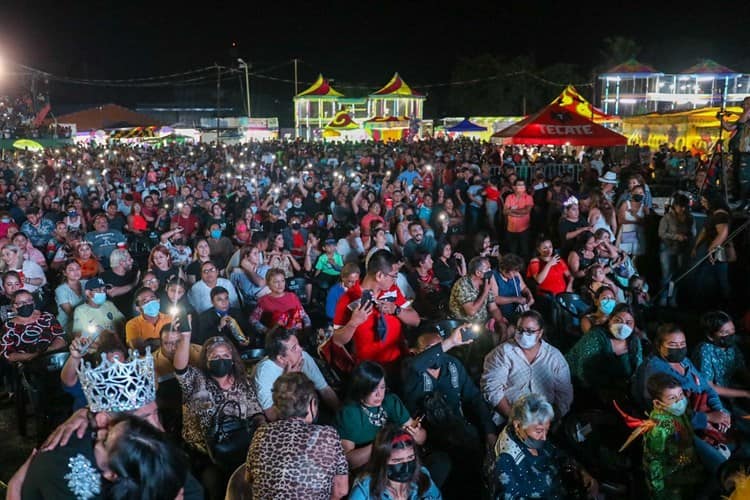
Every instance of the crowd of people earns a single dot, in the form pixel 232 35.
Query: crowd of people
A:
pixel 403 320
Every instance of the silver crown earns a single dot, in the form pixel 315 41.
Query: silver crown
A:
pixel 114 386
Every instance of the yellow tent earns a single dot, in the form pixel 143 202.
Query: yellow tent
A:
pixel 695 129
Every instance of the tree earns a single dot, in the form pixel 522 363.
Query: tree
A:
pixel 618 49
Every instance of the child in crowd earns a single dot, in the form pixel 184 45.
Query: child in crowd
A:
pixel 329 264
pixel 670 460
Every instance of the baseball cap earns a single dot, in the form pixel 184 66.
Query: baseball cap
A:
pixel 275 211
pixel 94 283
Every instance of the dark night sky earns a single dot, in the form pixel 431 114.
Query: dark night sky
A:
pixel 363 42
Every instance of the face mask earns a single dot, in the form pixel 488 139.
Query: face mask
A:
pixel 214 200
pixel 151 308
pixel 678 407
pixel 253 208
pixel 5 220
pixel 638 197
pixel 526 340
pixel 296 226
pixel 676 354
pixel 725 341
pixel 73 213
pixel 216 234
pixel 297 204
pixel 25 310
pixel 606 306
pixel 620 331
pixel 322 223
pixel 403 472
pixel 288 205
pixel 221 313
pixel 99 298
pixel 220 367
pixel 534 444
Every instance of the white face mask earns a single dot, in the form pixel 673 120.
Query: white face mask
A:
pixel 526 340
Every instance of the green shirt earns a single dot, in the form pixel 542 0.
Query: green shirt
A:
pixel 671 464
pixel 325 266
pixel 594 364
pixel 359 423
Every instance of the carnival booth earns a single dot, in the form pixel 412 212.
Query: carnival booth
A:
pixel 343 128
pixel 388 128
pixel 466 128
pixel 314 107
pixel 396 99
pixel 557 126
pixel 695 129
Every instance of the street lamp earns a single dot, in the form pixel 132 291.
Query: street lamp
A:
pixel 246 67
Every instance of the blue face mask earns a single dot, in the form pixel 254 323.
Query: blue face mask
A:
pixel 216 234
pixel 99 298
pixel 606 306
pixel 151 308
pixel 678 407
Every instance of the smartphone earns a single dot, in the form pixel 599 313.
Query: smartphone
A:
pixel 90 339
pixel 487 275
pixel 470 332
pixel 366 296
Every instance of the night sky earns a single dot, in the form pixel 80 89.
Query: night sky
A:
pixel 355 42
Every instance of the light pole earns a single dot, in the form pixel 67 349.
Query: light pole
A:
pixel 246 67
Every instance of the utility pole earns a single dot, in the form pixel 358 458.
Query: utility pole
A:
pixel 218 100
pixel 247 67
pixel 296 91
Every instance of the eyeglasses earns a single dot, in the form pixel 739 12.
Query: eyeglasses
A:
pixel 529 330
pixel 149 281
pixel 392 276
pixel 210 270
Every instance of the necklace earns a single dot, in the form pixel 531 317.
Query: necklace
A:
pixel 377 417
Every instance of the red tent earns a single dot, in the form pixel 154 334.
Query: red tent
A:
pixel 558 126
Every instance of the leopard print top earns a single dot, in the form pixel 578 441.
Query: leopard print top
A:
pixel 292 459
pixel 201 398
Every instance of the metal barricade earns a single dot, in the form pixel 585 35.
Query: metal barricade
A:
pixel 551 170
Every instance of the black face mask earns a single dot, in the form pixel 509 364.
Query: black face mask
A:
pixel 638 197
pixel 296 226
pixel 403 472
pixel 725 341
pixel 676 354
pixel 220 367
pixel 25 310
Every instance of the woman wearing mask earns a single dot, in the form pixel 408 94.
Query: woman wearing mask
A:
pixel 605 359
pixel 525 463
pixel 524 362
pixel 368 409
pixel 219 378
pixel 710 417
pixel 394 470
pixel 31 332
pixel 675 235
pixel 721 361
pixel 604 300
pixel 217 216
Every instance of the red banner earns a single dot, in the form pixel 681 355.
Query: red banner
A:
pixel 42 115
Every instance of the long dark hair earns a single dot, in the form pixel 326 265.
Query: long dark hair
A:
pixel 146 465
pixel 391 438
pixel 365 379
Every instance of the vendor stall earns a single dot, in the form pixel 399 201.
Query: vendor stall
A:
pixel 558 126
pixel 314 107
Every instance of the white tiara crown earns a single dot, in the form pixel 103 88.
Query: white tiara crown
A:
pixel 113 386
